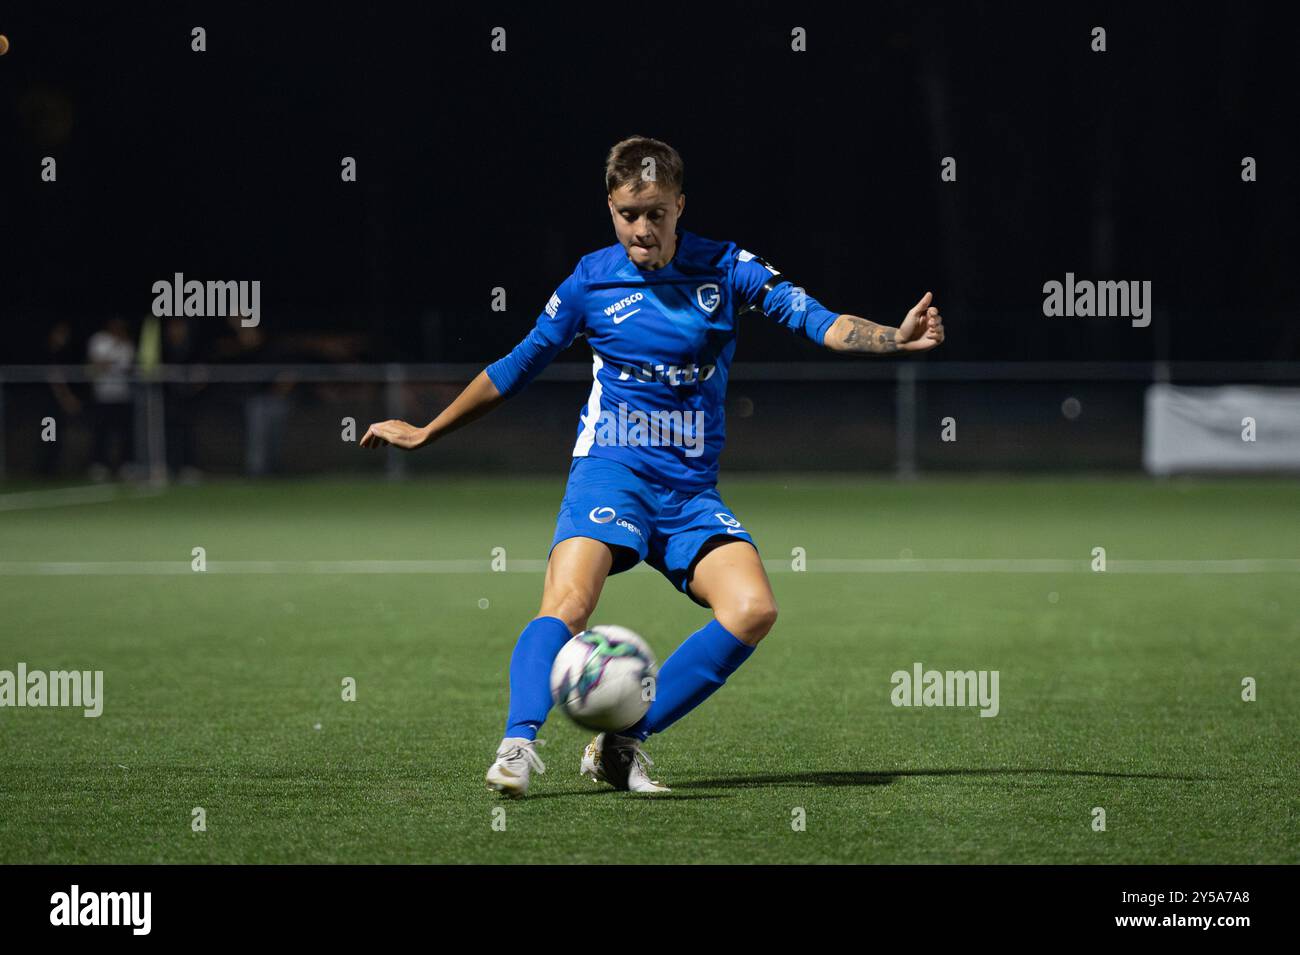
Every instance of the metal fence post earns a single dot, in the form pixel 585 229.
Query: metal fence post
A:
pixel 156 415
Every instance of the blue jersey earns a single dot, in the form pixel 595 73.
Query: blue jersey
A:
pixel 661 344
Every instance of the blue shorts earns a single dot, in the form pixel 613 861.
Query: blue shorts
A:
pixel 670 530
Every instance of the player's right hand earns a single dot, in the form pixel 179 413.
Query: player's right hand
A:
pixel 922 327
pixel 397 433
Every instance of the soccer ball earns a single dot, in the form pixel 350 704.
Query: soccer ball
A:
pixel 604 678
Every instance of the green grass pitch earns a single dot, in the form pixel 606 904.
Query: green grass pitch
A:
pixel 223 690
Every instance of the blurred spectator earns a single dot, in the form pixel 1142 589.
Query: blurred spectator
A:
pixel 179 348
pixel 111 355
pixel 60 349
pixel 266 407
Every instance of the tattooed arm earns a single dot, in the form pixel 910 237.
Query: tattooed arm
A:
pixel 851 333
pixel 922 329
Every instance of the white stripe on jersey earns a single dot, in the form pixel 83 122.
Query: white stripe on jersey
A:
pixel 588 436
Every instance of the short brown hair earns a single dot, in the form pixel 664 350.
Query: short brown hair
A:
pixel 626 166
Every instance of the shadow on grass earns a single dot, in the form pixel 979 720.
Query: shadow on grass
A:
pixel 838 778
pixel 605 791
pixel 885 777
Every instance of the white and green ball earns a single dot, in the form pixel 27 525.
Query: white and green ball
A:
pixel 604 678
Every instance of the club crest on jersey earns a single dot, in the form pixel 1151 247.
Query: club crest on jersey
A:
pixel 708 295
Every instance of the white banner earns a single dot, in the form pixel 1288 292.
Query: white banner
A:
pixel 1225 428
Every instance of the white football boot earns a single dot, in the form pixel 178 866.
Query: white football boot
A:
pixel 619 761
pixel 516 759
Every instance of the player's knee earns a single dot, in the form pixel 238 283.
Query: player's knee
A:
pixel 574 605
pixel 749 616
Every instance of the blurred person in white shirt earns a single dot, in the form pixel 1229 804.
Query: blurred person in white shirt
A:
pixel 111 355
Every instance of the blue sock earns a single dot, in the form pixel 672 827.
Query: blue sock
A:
pixel 530 675
pixel 690 675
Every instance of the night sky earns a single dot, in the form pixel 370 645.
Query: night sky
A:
pixel 479 169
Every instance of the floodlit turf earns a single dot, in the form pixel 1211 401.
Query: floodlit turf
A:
pixel 223 690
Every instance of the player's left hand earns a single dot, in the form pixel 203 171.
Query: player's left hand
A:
pixel 397 433
pixel 922 329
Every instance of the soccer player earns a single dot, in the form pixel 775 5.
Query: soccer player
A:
pixel 659 309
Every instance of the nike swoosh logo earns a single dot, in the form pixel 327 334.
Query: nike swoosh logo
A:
pixel 618 319
pixel 735 530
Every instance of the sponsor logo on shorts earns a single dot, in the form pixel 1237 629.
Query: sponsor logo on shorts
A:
pixel 603 515
pixel 733 526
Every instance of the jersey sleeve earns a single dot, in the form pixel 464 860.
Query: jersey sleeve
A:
pixel 759 286
pixel 558 325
